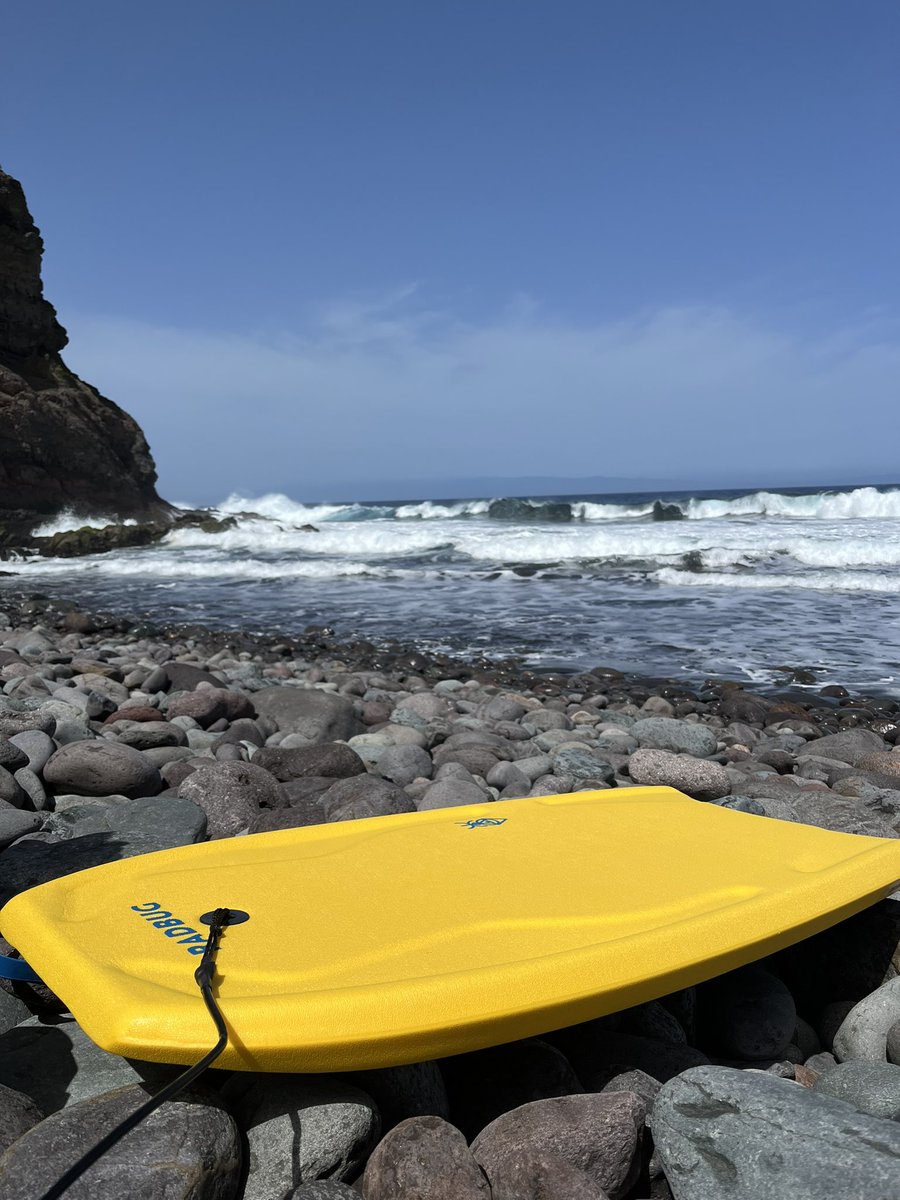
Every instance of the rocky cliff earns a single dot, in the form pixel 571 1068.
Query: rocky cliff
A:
pixel 62 444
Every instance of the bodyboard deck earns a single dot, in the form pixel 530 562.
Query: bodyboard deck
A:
pixel 399 939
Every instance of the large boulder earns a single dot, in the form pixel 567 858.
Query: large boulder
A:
pixel 723 1134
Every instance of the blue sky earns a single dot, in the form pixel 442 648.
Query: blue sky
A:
pixel 316 242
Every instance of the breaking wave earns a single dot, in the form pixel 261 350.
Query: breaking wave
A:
pixel 856 504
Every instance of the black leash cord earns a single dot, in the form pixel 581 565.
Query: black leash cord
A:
pixel 204 977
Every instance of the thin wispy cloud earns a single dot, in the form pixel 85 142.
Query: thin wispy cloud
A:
pixel 394 388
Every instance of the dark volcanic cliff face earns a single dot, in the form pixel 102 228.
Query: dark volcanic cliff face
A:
pixel 62 444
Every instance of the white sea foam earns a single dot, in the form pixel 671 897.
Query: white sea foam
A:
pixel 66 520
pixel 864 503
pixel 169 567
pixel 861 503
pixel 820 581
pixel 427 510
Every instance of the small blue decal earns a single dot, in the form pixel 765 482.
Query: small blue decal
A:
pixel 483 822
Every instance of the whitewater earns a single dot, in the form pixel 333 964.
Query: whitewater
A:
pixel 740 584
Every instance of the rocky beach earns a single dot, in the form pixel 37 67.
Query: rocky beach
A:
pixel 550 646
pixel 119 738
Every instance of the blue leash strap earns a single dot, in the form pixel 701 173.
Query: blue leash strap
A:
pixel 17 968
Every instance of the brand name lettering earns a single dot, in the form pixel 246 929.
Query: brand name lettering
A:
pixel 173 927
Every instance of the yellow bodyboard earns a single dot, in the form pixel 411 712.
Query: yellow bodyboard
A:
pixel 398 939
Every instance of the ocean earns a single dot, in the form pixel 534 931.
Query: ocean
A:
pixel 748 585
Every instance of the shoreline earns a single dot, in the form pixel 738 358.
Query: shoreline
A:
pixel 797 688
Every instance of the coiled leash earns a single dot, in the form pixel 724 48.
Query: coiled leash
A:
pixel 217 920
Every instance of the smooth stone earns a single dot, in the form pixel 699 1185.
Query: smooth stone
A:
pixel 11 791
pixel 617 741
pixel 364 796
pixel 477 759
pixel 503 708
pixel 185 677
pixel 599 1134
pixel 315 715
pixel 187 1149
pixel 551 785
pixel 695 777
pixel 13 756
pixel 94 705
pixel 14 823
pixel 33 788
pixel 424 1157
pixel 872 1088
pixel 453 770
pixel 163 755
pixel 683 737
pixel 403 764
pixel 18 1114
pixel 582 763
pixel 724 1134
pixel 534 766
pixel 299 1128
pixel 849 746
pixel 746 1014
pixel 57 1064
pixel 101 768
pixel 37 748
pixel 205 706
pixel 451 793
pixel 543 719
pixel 231 794
pixel 864 1031
pixel 335 760
pixel 238 705
pixel 483 1085
pixel 151 735
pixel 246 732
pixel 424 705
